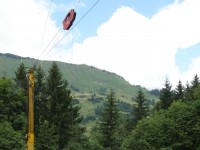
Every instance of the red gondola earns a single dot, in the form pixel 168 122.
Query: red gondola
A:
pixel 69 19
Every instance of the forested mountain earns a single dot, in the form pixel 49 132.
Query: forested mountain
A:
pixel 80 77
pixel 78 107
pixel 89 85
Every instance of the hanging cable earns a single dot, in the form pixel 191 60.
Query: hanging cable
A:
pixel 73 27
pixel 45 25
pixel 77 4
pixel 50 42
pixel 56 33
pixel 65 34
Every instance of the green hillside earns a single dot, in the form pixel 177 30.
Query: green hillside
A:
pixel 84 81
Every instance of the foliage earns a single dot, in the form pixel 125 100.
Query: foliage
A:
pixel 62 112
pixel 166 95
pixel 20 77
pixel 40 100
pixel 81 78
pixel 46 137
pixel 124 106
pixel 175 124
pixel 9 138
pixel 139 110
pixel 190 89
pixel 179 92
pixel 12 116
pixel 109 123
pixel 155 92
pixel 175 128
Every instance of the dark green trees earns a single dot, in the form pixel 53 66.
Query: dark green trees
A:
pixel 175 128
pixel 179 92
pixel 12 116
pixel 166 96
pixel 20 77
pixel 40 103
pixel 109 123
pixel 57 118
pixel 190 89
pixel 141 108
pixel 63 114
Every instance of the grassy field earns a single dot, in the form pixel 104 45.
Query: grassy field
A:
pixel 84 81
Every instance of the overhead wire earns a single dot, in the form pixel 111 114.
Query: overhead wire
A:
pixel 45 28
pixel 47 46
pixel 50 42
pixel 45 25
pixel 77 4
pixel 73 27
pixel 54 35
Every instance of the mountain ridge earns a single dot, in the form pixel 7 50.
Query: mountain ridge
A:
pixel 81 78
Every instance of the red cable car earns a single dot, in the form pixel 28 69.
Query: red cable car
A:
pixel 69 19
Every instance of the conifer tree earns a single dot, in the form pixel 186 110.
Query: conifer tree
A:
pixel 179 92
pixel 166 95
pixel 46 137
pixel 40 103
pixel 188 92
pixel 20 77
pixel 195 83
pixel 62 111
pixel 12 116
pixel 141 108
pixel 109 123
pixel 190 89
pixel 40 112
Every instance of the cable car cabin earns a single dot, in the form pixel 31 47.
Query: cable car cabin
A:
pixel 69 19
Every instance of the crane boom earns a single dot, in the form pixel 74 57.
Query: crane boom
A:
pixel 30 135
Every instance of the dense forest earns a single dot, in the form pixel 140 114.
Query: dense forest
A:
pixel 173 123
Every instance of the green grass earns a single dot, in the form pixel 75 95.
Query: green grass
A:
pixel 84 81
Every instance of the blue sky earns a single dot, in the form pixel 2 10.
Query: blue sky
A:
pixel 142 41
pixel 104 10
pixel 185 56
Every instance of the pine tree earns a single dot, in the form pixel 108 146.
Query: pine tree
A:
pixel 190 89
pixel 179 92
pixel 40 103
pixel 188 92
pixel 166 95
pixel 12 116
pixel 62 111
pixel 46 138
pixel 141 108
pixel 20 77
pixel 109 123
pixel 195 83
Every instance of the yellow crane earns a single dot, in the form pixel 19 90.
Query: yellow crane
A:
pixel 30 135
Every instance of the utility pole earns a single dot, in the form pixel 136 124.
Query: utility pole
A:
pixel 30 135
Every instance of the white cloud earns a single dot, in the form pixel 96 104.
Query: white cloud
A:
pixel 193 70
pixel 140 49
pixel 22 27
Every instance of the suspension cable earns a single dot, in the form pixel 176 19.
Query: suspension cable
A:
pixel 55 34
pixel 45 26
pixel 65 34
pixel 73 27
pixel 50 42
pixel 77 4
